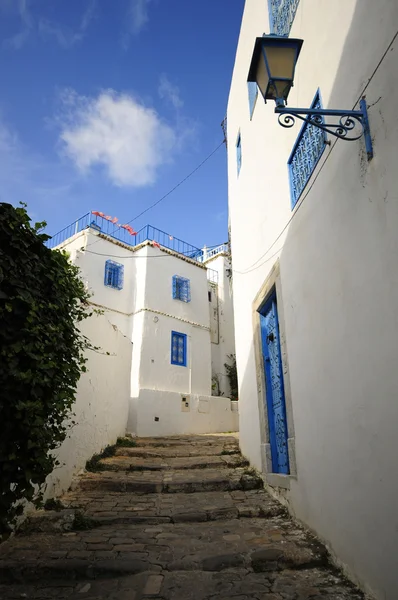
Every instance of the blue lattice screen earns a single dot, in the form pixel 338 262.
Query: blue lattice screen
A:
pixel 113 274
pixel 282 13
pixel 181 289
pixel 178 349
pixel 305 155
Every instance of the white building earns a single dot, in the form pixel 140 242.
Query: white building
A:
pixel 173 302
pixel 315 279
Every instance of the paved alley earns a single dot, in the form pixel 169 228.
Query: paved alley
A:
pixel 178 518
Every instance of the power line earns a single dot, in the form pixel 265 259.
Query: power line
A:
pixel 169 192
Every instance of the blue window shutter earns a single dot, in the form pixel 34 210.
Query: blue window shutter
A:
pixel 239 153
pixel 307 150
pixel 181 288
pixel 253 93
pixel 114 275
pixel 178 349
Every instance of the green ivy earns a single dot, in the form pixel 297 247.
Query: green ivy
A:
pixel 42 302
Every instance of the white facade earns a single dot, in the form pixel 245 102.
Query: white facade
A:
pixel 333 264
pixel 164 398
pixel 221 319
pixel 102 403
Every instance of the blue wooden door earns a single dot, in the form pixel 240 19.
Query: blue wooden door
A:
pixel 276 407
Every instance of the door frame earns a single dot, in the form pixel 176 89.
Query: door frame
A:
pixel 272 285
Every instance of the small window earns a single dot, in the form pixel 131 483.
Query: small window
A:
pixel 308 149
pixel 178 349
pixel 113 275
pixel 181 289
pixel 239 153
pixel 209 295
pixel 252 88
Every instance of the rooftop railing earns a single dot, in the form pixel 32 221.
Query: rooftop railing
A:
pixel 120 234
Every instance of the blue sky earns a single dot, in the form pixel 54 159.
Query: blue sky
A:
pixel 107 104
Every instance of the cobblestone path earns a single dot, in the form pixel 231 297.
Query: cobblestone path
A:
pixel 179 518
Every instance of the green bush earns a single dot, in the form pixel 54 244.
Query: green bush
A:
pixel 42 301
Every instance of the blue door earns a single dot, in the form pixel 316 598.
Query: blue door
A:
pixel 276 407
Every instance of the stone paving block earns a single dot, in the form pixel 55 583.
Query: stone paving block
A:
pixel 153 585
pixel 191 523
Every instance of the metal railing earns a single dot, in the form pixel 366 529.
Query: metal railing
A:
pixel 122 235
pixel 211 252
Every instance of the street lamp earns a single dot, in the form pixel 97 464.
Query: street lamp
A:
pixel 272 67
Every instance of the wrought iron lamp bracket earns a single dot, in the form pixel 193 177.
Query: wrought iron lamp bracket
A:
pixel 352 124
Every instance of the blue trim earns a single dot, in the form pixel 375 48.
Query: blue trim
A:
pixel 252 89
pixel 239 152
pixel 366 130
pixel 114 275
pixel 176 359
pixel 181 288
pixel 296 194
pixel 270 305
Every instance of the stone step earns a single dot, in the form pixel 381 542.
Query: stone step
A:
pixel 118 507
pixel 238 584
pixel 171 482
pixel 254 544
pixel 175 451
pixel 184 440
pixel 129 463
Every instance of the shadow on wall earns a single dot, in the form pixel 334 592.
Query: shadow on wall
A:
pixel 249 410
pixel 339 275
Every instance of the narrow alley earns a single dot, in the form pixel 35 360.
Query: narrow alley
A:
pixel 180 518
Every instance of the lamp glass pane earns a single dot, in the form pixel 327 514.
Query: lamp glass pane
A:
pixel 282 88
pixel 262 75
pixel 281 61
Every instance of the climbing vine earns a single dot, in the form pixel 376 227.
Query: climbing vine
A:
pixel 42 302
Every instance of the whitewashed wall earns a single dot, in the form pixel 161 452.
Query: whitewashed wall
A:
pixel 223 339
pixel 168 413
pixel 339 278
pixel 102 402
pixel 156 380
pixel 145 312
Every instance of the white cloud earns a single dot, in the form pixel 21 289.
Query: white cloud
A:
pixel 170 92
pixel 21 7
pixel 117 132
pixel 68 37
pixel 136 18
pixel 138 15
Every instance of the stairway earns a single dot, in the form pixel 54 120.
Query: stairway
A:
pixel 177 518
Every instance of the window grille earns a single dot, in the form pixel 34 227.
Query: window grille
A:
pixel 181 289
pixel 178 349
pixel 282 13
pixel 305 155
pixel 113 275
